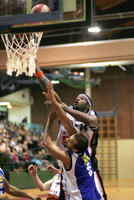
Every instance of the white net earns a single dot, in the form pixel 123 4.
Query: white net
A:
pixel 21 52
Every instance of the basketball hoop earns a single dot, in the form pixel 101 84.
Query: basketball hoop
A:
pixel 21 52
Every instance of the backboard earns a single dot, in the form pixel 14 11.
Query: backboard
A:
pixel 16 16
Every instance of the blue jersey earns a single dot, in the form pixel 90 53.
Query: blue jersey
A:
pixel 1 181
pixel 80 178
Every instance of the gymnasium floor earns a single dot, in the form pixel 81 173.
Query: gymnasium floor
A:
pixel 116 190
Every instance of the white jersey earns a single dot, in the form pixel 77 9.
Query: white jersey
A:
pixel 54 191
pixel 63 134
pixel 87 132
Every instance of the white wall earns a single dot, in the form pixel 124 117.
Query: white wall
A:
pixel 16 114
pixel 22 97
pixel 21 102
pixel 125 158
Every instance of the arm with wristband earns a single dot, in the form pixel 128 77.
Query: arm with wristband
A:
pixel 43 80
pixel 80 116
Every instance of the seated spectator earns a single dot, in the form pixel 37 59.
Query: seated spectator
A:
pixel 20 139
pixel 2 145
pixel 10 155
pixel 22 145
pixel 20 154
pixel 26 156
pixel 25 120
pixel 25 145
pixel 13 142
pixel 15 159
pixel 29 139
pixel 1 124
pixel 18 146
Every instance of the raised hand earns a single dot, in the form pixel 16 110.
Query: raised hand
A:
pixel 53 170
pixel 50 94
pixel 32 169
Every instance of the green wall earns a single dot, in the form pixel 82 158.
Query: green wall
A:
pixel 24 180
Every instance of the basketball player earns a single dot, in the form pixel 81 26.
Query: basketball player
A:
pixel 76 161
pixel 53 185
pixel 84 119
pixel 12 190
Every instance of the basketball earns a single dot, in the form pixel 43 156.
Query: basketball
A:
pixel 40 8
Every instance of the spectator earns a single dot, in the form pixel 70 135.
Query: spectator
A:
pixel 26 156
pixel 2 145
pixel 21 146
pixel 25 120
pixel 15 159
pixel 1 124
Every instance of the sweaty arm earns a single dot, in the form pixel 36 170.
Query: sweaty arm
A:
pixel 89 120
pixel 44 81
pixel 32 169
pixel 54 149
pixel 14 191
pixel 66 122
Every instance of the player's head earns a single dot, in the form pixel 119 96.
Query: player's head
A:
pixel 83 103
pixel 77 143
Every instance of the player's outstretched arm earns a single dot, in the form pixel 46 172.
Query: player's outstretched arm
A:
pixel 32 169
pixel 66 122
pixel 89 120
pixel 14 191
pixel 54 149
pixel 43 80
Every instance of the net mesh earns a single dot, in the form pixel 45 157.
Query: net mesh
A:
pixel 21 52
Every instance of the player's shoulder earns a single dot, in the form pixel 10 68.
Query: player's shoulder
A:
pixel 91 113
pixel 1 171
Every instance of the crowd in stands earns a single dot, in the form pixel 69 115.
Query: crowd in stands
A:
pixel 23 146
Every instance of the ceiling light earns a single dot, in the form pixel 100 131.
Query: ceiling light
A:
pixel 94 29
pixel 55 81
pixel 4 103
pixel 102 64
pixel 122 67
pixel 9 106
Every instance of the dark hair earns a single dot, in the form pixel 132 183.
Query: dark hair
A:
pixel 82 143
